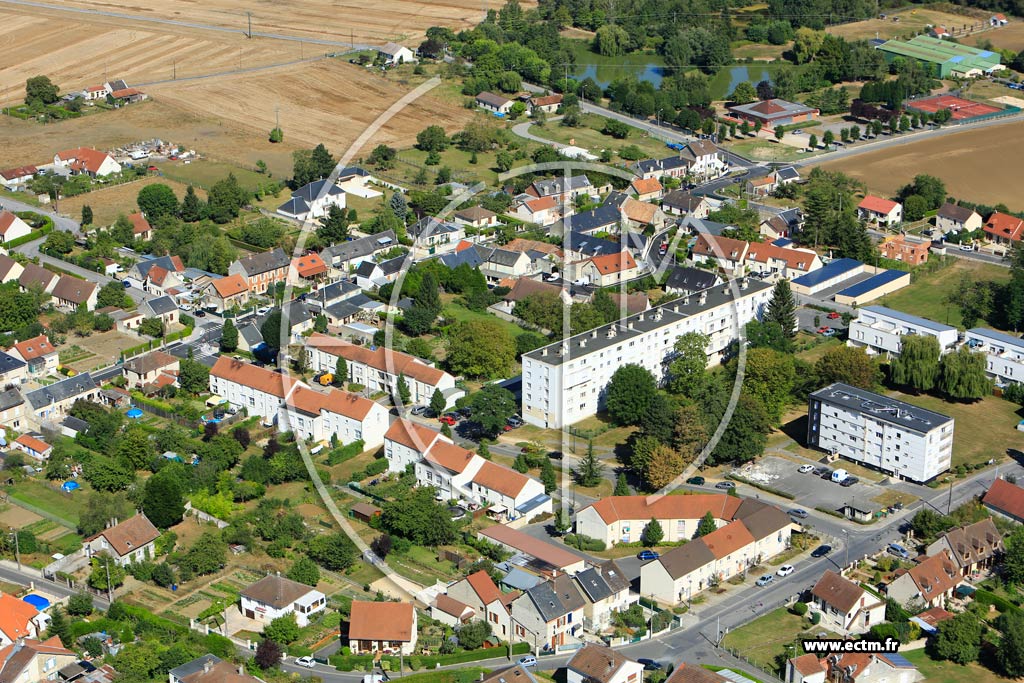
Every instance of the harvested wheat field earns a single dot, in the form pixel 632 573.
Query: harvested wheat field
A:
pixel 910 22
pixel 963 160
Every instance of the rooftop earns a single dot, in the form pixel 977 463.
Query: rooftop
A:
pixel 917 321
pixel 825 273
pixel 882 408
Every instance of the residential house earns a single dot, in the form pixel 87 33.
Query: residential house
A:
pixel 249 337
pixel 153 368
pixel 313 201
pixel 973 547
pixel 692 673
pixel 548 614
pixel 435 234
pixel 487 602
pixel 705 159
pixel 647 189
pixel 308 268
pixel 606 218
pixel 955 218
pixel 684 203
pixel 15 179
pixel 318 416
pixel 96 92
pixel 32 445
pixel 140 227
pixel 774 112
pixel 10 270
pixel 206 669
pixel 500 263
pixel 881 211
pixel 138 273
pixel 1003 229
pixel 773 262
pixel 449 611
pixel 563 189
pixel 356 181
pixel 527 288
pixel 40 355
pixel 71 292
pixel 762 186
pixel 259 390
pixel 160 281
pixel 548 104
pixel 263 270
pixel 545 558
pixel 162 307
pixel 35 277
pixel 226 293
pixel 394 54
pixel 541 211
pixel 18 620
pixel 476 217
pixel 132 540
pixel 510 674
pixel 594 663
pixel 52 402
pixel 12 227
pixel 675 166
pixel 605 270
pixel 388 627
pixel 606 589
pixel 378 369
pixel 723 252
pixel 899 248
pixel 405 443
pixel 370 275
pixel 12 408
pixel 853 667
pixel 85 160
pixel 275 596
pixel 1006 499
pixel 641 215
pixel 344 257
pixel 494 103
pixel 686 281
pixel 845 606
pixel 12 370
pixel 997 20
pixel 939 32
pixel 326 296
pixel 783 224
pixel 32 661
pixel 929 583
pixel 127 95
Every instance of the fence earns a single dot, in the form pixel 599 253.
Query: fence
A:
pixel 204 516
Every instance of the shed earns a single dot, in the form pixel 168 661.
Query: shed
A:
pixel 364 512
pixel 858 511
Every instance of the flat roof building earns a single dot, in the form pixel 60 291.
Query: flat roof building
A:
pixel 942 57
pixel 880 330
pixel 1004 354
pixel 895 437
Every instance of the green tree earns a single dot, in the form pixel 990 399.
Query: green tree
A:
pixel 105 574
pixel 432 139
pixel 58 243
pixel 80 605
pixel 340 370
pixel 520 465
pixel 782 308
pixel 503 161
pixel 959 639
pixel 767 335
pixel 548 476
pixel 769 378
pixel 688 370
pixel 973 298
pixel 621 486
pixel 492 407
pixel 928 187
pixel 480 348
pixel 611 40
pixel 962 375
pixel 157 201
pixel 99 509
pixel 229 336
pixel 134 448
pixel 419 518
pixel 283 630
pixel 664 464
pixel 402 387
pixel 437 402
pixel 163 499
pixel 276 135
pixel 225 199
pixel 40 90
pixel 652 534
pixel 192 208
pixel 706 525
pixel 812 141
pixel 1010 653
pixel 86 215
pixel 193 376
pixel 110 294
pixel 590 469
pixel 60 626
pixel 745 436
pixel 322 162
pixel 271 329
pixel 914 207
pixel 1013 556
pixel 473 634
pixel 744 93
pixel 562 522
pixel 333 228
pixel 335 551
pixel 629 394
pixel 917 366
pixel 207 555
pixel 850 365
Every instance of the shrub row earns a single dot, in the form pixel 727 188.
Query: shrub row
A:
pixel 585 543
pixel 986 597
pixel 346 452
pixel 763 487
pixel 351 662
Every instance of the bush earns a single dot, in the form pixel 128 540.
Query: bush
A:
pixel 799 609
pixel 815 618
pixel 985 597
pixel 585 543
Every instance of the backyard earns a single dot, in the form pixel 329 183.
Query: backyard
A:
pixel 763 640
pixel 948 672
pixel 926 297
pixel 589 136
pixel 203 173
pixel 761 149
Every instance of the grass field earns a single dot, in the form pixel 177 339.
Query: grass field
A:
pixel 590 137
pixel 110 202
pixel 963 160
pixel 62 507
pixel 764 150
pixel 758 51
pixel 910 23
pixel 203 173
pixel 1009 37
pixel 763 639
pixel 948 672
pixel 926 297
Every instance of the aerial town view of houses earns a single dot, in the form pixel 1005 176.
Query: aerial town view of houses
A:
pixel 511 341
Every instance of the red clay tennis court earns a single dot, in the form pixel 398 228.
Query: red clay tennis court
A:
pixel 959 108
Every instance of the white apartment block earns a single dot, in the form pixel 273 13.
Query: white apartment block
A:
pixel 1004 354
pixel 378 369
pixel 880 330
pixel 258 390
pixel 317 416
pixel 897 438
pixel 564 382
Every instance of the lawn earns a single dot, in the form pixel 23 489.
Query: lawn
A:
pixel 765 638
pixel 203 173
pixel 743 49
pixel 456 311
pixel 926 297
pixel 108 203
pixel 813 354
pixel 948 672
pixel 590 137
pixel 764 150
pixel 60 507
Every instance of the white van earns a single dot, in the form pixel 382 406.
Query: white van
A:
pixel 839 475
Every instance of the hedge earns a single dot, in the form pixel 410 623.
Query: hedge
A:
pixel 763 487
pixel 31 237
pixel 351 662
pixel 346 452
pixel 585 543
pixel 986 597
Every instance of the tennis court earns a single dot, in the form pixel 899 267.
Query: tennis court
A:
pixel 959 108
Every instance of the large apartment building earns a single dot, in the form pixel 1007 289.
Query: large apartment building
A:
pixel 880 330
pixel 564 382
pixel 895 437
pixel 1004 354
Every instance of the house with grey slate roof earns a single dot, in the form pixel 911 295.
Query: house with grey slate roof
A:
pixel 549 614
pixel 52 403
pixel 263 270
pixel 313 201
pixel 162 307
pixel 345 256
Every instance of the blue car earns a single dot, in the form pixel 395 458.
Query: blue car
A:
pixel 647 555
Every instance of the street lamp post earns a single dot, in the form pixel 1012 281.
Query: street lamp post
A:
pixel 846 534
pixel 17 549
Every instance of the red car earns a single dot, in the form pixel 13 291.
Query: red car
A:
pixel 153 168
pixel 834 315
pixel 447 419
pixel 823 330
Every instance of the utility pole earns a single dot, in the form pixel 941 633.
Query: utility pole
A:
pixel 174 69
pixel 249 32
pixel 277 117
pixel 17 549
pixel 110 594
pixel 949 501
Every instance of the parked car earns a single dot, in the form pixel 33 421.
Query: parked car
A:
pixel 199 313
pixel 849 481
pixel 127 285
pixel 419 410
pixel 798 512
pixel 646 555
pixel 785 570
pixel 834 315
pixel 650 664
pixel 829 333
pixel 696 481
pixel 966 247
pixel 305 661
pixel 765 580
pixel 448 420
pixel 821 551
pixel 725 485
pixel 515 421
pixel 555 455
pixel 263 310
pixel 826 473
pixel 898 550
pixel 528 660
pixel 804 469
pixel 823 329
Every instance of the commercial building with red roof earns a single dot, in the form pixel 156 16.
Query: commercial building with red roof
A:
pixel 774 112
pixel 878 210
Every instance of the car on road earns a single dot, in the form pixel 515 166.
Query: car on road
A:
pixel 555 455
pixel 663 248
pixel 725 485
pixel 834 315
pixel 804 469
pixel 647 555
pixel 305 661
pixel 199 313
pixel 898 550
pixel 799 513
pixel 821 551
pixel 824 329
pixel 528 660
pixel 849 481
pixel 966 247
pixel 696 481
pixel 263 310
pixel 766 580
pixel 650 664
pixel 785 570
pixel 448 420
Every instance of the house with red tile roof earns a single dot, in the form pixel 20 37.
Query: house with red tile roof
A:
pixel 129 541
pixel 845 606
pixel 406 441
pixel 140 226
pixel 540 211
pixel 1005 499
pixel 998 20
pixel 307 268
pixel 12 227
pixel 881 211
pixel 15 178
pixel 225 293
pixel 18 619
pixel 33 446
pixel 647 189
pixel 160 281
pixel 388 627
pixel 450 611
pixel 1004 229
pixel 86 160
pixel 851 667
pixel 605 270
pixel 147 368
pixel 39 353
pixel 548 104
pixel 930 582
pixel 33 661
pixel 259 390
pixel 318 415
pixel 488 603
pixel 774 262
pixel 724 252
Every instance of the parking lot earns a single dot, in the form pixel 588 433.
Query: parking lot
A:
pixel 805 318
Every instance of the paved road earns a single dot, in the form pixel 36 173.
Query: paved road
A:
pixel 31 249
pixel 59 221
pixel 9 573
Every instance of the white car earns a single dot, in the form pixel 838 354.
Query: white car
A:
pixel 804 469
pixel 263 311
pixel 785 570
pixel 305 661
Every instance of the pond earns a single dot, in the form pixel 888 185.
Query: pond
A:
pixel 753 75
pixel 604 70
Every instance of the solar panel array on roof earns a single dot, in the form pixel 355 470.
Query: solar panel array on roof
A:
pixel 899 660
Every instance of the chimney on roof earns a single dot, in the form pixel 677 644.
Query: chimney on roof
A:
pixel 241 669
pixel 207 665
